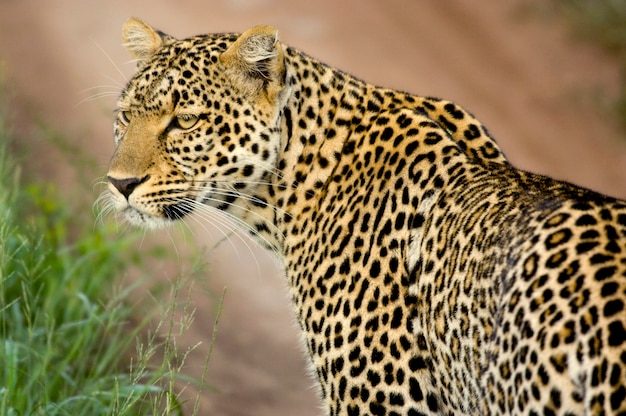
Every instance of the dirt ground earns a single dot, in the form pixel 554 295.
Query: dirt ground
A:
pixel 537 89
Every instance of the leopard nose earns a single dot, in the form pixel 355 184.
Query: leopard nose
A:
pixel 128 185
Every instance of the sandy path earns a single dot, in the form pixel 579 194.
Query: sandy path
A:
pixel 527 80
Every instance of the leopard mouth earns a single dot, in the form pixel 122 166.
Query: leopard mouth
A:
pixel 162 217
pixel 143 219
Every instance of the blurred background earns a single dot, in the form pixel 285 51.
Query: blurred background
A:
pixel 545 94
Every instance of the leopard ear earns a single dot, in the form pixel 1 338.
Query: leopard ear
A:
pixel 256 62
pixel 142 41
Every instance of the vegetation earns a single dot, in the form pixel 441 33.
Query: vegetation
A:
pixel 66 338
pixel 602 22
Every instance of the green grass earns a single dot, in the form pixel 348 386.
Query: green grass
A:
pixel 68 342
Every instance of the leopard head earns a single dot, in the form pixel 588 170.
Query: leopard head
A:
pixel 198 124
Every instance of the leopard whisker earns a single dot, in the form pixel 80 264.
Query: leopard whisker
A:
pixel 243 208
pixel 98 87
pixel 236 220
pixel 265 183
pixel 242 196
pixel 112 61
pixel 268 168
pixel 100 181
pixel 102 207
pixel 95 97
pixel 172 240
pixel 222 220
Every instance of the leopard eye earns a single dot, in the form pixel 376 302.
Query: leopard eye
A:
pixel 186 121
pixel 125 116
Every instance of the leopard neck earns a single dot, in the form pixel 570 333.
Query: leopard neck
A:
pixel 324 110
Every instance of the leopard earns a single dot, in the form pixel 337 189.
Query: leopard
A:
pixel 427 274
